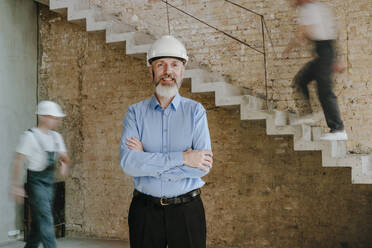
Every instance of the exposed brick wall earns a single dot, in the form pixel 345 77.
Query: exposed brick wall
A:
pixel 61 80
pixel 260 193
pixel 245 67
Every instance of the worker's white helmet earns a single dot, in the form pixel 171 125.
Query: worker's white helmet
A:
pixel 167 46
pixel 49 108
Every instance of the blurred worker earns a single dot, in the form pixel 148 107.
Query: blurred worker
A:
pixel 317 24
pixel 40 149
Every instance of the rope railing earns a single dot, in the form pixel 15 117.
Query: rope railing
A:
pixel 263 28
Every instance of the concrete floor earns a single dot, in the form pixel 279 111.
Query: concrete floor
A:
pixel 79 243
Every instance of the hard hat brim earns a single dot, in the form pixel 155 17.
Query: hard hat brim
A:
pixel 184 61
pixel 55 115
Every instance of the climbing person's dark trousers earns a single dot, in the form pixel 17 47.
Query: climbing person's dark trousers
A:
pixel 320 70
pixel 40 193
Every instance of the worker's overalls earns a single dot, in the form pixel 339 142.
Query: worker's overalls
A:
pixel 40 195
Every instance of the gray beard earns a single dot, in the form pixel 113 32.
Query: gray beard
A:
pixel 166 91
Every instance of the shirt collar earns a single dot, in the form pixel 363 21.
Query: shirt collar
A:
pixel 154 103
pixel 176 101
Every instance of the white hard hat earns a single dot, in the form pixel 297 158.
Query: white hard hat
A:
pixel 49 108
pixel 167 46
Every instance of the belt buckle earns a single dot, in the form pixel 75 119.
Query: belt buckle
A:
pixel 162 201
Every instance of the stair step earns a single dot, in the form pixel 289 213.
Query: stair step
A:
pixel 303 134
pixel 223 100
pixel 273 129
pixel 228 95
pixel 362 175
pixel 45 2
pixel 92 25
pixel 246 114
pixel 338 148
pixel 118 37
pixel 348 160
pixel 317 132
pixel 140 49
pixel 59 4
pixel 367 165
pixel 281 118
pixel 303 145
pixel 78 15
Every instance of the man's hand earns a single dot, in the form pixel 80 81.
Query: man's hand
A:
pixel 64 162
pixel 198 159
pixel 338 66
pixel 134 144
pixel 63 169
pixel 18 193
pixel 63 157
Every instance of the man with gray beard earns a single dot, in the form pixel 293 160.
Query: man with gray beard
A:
pixel 166 148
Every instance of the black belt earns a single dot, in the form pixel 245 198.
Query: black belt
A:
pixel 164 201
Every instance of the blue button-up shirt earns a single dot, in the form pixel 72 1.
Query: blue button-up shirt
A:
pixel 165 134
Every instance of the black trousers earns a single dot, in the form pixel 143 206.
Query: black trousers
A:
pixel 173 226
pixel 320 70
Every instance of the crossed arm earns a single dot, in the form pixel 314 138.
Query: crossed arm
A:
pixel 201 159
pixel 193 163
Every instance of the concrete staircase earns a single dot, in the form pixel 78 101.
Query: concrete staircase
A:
pixel 306 138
